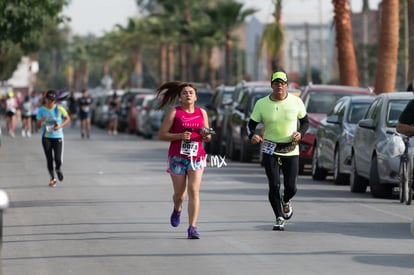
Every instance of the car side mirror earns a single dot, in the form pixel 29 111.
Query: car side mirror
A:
pixel 333 119
pixel 240 108
pixel 367 123
pixel 227 102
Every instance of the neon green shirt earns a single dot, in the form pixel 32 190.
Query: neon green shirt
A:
pixel 280 118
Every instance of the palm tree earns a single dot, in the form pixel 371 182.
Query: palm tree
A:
pixel 182 12
pixel 388 47
pixel 103 50
pixel 164 31
pixel 348 69
pixel 229 15
pixel 132 37
pixel 78 59
pixel 273 38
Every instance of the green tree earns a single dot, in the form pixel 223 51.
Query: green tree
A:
pixel 22 23
pixel 228 15
pixel 273 38
pixel 53 46
pixel 133 37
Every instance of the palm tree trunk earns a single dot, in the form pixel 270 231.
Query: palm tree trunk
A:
pixel 183 61
pixel 410 5
pixel 388 48
pixel 163 62
pixel 200 66
pixel 348 69
pixel 68 72
pixel 211 68
pixel 229 61
pixel 137 78
pixel 84 72
pixel 170 65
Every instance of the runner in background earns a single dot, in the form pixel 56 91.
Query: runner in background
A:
pixel 51 118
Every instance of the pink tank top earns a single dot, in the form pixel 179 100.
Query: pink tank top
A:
pixel 182 121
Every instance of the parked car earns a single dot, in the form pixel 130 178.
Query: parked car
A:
pixel 4 204
pixel 238 145
pixel 155 117
pixel 319 100
pixel 136 104
pixel 371 164
pixel 215 110
pixel 333 140
pixel 204 94
pixel 143 107
pixel 235 101
pixel 126 101
pixel 100 108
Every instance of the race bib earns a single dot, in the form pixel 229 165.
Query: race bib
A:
pixel 50 125
pixel 50 128
pixel 189 148
pixel 85 109
pixel 268 147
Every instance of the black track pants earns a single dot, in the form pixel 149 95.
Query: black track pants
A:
pixel 53 148
pixel 274 165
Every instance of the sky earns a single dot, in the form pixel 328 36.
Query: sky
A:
pixel 98 16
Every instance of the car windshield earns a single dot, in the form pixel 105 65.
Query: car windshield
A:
pixel 357 112
pixel 227 95
pixel 395 108
pixel 322 102
pixel 203 98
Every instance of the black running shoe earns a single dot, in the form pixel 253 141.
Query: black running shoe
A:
pixel 59 175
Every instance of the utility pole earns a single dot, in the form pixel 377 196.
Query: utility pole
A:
pixel 322 50
pixel 308 67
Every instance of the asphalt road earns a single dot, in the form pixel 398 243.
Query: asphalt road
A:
pixel 111 216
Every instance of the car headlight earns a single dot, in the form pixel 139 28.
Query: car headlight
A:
pixel 348 136
pixel 311 130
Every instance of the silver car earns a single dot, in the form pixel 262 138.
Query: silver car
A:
pixel 370 163
pixel 333 139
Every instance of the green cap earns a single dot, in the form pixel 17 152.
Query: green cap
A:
pixel 279 76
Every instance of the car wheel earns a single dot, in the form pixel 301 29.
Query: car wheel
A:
pixel 357 183
pixel 378 190
pixel 301 167
pixel 317 172
pixel 339 178
pixel 230 150
pixel 215 145
pixel 245 152
pixel 1 226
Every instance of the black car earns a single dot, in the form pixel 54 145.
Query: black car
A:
pixel 237 95
pixel 215 110
pixel 238 145
pixel 204 94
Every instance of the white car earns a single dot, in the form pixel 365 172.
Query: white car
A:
pixel 371 163
pixel 4 203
